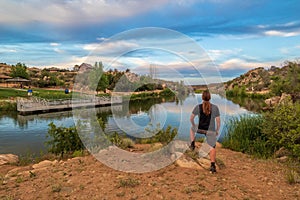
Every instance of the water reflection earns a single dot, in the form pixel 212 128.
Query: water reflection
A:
pixel 20 134
pixel 251 104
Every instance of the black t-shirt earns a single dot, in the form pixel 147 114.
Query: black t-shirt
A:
pixel 206 122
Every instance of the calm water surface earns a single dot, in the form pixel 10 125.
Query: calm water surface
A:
pixel 26 134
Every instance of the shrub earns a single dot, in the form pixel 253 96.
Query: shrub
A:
pixel 63 140
pixel 244 134
pixel 8 106
pixel 129 182
pixel 121 141
pixel 159 135
pixel 127 143
pixel 167 93
pixel 282 126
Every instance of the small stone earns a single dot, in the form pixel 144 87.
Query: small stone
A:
pixel 43 164
pixel 183 162
pixel 283 159
pixel 8 159
pixel 270 183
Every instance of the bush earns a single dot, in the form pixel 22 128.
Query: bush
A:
pixel 8 106
pixel 159 135
pixel 121 141
pixel 167 93
pixel 244 134
pixel 63 140
pixel 237 91
pixel 126 143
pixel 282 126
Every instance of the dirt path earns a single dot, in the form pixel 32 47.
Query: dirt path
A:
pixel 86 178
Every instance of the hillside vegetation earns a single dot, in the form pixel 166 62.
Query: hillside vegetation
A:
pixel 274 81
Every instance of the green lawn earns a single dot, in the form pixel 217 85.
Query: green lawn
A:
pixel 51 94
pixel 6 93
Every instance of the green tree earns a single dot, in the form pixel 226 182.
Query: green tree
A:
pixel 103 83
pixel 288 82
pixel 98 80
pixel 19 70
pixel 63 140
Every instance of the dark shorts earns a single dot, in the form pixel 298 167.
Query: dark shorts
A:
pixel 211 136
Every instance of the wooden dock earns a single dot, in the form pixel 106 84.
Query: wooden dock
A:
pixel 34 105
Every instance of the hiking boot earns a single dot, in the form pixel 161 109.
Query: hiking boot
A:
pixel 213 169
pixel 192 147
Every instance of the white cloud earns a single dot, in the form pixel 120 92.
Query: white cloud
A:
pixel 8 51
pixel 236 63
pixel 216 54
pixel 54 44
pixel 69 12
pixel 110 47
pixel 281 33
pixel 239 64
pixel 60 51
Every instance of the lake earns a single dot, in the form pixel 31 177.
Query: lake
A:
pixel 26 134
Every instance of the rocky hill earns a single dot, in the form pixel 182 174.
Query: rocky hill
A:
pixel 260 79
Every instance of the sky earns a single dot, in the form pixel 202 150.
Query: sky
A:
pixel 202 41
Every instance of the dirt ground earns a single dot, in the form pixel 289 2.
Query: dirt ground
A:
pixel 86 178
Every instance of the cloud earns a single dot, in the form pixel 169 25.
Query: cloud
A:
pixel 60 51
pixel 281 33
pixel 236 63
pixel 72 11
pixel 113 47
pixel 217 54
pixel 54 44
pixel 235 67
pixel 8 51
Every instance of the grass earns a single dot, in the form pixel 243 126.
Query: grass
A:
pixel 7 93
pixel 120 194
pixel 292 177
pixel 194 188
pixel 129 182
pixel 19 179
pixel 8 106
pixel 7 197
pixel 244 134
pixel 56 188
pixel 51 94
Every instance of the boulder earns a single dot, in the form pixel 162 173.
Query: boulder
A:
pixel 285 98
pixel 44 164
pixel 282 152
pixel 187 163
pixel 8 159
pixel 204 162
pixel 273 101
pixel 283 159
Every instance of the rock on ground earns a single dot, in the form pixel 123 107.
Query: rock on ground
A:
pixel 8 159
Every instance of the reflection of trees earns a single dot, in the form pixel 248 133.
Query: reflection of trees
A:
pixel 180 97
pixel 145 105
pixel 139 105
pixel 15 117
pixel 250 104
